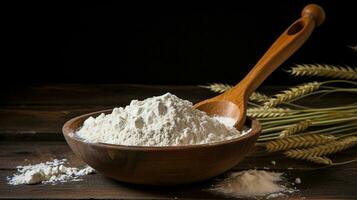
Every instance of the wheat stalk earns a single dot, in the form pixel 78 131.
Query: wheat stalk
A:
pixel 292 93
pixel 262 112
pixel 324 70
pixel 320 160
pixel 324 149
pixel 296 128
pixel 298 141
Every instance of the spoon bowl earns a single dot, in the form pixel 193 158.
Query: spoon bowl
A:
pixel 220 108
pixel 160 165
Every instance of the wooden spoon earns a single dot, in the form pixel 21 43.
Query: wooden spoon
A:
pixel 233 103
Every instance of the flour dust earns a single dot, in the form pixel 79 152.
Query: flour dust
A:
pixel 50 172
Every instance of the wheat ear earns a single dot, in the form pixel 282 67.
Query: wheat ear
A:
pixel 320 160
pixel 324 149
pixel 296 128
pixel 217 87
pixel 298 141
pixel 292 93
pixel 258 97
pixel 324 70
pixel 262 112
pixel 220 88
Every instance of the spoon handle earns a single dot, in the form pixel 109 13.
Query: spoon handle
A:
pixel 288 43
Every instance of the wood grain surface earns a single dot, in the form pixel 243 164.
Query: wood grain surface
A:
pixel 31 118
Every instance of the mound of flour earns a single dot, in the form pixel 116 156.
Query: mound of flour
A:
pixel 253 184
pixel 48 172
pixel 158 121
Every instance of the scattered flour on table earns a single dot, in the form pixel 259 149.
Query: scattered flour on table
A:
pixel 164 120
pixel 297 180
pixel 253 183
pixel 48 172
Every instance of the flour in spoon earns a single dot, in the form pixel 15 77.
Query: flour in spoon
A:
pixel 158 121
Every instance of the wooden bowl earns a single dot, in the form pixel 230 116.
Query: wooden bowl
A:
pixel 160 165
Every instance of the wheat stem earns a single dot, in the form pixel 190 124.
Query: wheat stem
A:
pixel 340 81
pixel 338 128
pixel 345 162
pixel 334 121
pixel 295 105
pixel 347 135
pixel 344 130
pixel 349 107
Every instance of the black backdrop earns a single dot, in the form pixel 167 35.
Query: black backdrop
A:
pixel 175 43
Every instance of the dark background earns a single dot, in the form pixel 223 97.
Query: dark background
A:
pixel 175 43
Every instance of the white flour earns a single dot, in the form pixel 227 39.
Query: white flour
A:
pixel 158 121
pixel 253 183
pixel 48 172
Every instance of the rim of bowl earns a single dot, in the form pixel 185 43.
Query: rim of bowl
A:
pixel 255 129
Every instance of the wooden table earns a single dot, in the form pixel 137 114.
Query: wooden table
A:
pixel 31 118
